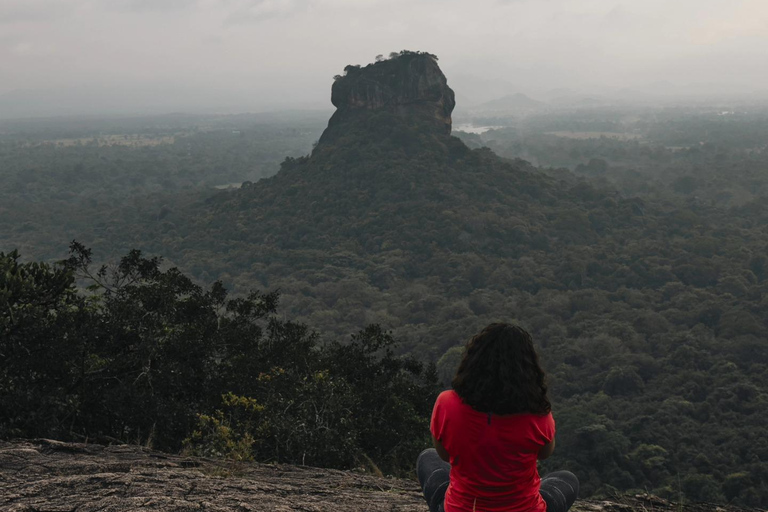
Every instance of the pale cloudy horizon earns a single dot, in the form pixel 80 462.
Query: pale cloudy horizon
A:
pixel 268 54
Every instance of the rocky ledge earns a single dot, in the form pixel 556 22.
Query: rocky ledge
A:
pixel 43 475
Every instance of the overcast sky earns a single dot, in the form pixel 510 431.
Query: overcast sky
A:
pixel 277 53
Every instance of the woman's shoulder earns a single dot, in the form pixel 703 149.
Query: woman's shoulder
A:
pixel 449 396
pixel 544 418
pixel 449 400
pixel 545 424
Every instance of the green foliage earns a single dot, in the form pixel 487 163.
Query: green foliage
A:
pixel 147 356
pixel 41 338
pixel 641 275
pixel 92 178
pixel 225 435
pixel 702 488
pixel 448 364
pixel 396 395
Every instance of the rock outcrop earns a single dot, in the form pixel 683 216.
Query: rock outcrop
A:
pixel 45 475
pixel 409 85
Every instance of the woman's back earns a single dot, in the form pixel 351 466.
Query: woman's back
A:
pixel 490 430
pixel 493 457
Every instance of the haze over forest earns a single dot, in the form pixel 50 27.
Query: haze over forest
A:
pixel 593 170
pixel 138 56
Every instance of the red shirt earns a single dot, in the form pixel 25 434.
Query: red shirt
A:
pixel 493 457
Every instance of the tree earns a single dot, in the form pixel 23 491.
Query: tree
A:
pixel 148 356
pixel 44 345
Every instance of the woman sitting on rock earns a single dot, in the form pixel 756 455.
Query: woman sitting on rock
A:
pixel 490 430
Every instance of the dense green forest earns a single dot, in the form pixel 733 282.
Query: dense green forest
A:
pixel 711 158
pixel 638 262
pixel 146 356
pixel 95 178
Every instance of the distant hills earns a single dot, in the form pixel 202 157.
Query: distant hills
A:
pixel 512 102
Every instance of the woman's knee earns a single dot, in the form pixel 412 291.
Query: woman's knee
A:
pixel 425 464
pixel 560 489
pixel 565 476
pixel 434 476
pixel 429 452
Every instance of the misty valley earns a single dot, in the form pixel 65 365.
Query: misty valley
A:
pixel 206 283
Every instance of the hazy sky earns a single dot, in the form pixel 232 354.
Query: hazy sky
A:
pixel 285 52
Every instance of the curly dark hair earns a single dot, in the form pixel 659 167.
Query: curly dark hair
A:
pixel 500 373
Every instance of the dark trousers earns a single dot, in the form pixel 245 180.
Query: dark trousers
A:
pixel 559 488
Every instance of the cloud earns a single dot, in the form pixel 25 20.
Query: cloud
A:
pixel 292 48
pixel 159 5
pixel 19 11
pixel 255 11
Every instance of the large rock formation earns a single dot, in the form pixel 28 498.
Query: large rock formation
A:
pixel 409 85
pixel 44 475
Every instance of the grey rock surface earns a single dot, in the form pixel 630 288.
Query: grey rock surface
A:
pixel 43 475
